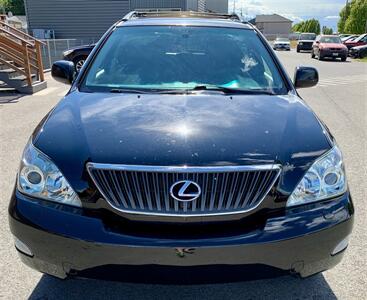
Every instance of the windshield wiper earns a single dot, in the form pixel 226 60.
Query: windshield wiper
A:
pixel 232 91
pixel 150 91
pixel 225 90
pixel 117 91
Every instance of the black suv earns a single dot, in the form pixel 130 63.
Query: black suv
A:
pixel 182 144
pixel 305 41
pixel 78 55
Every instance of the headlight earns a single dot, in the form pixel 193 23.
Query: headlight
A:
pixel 301 43
pixel 325 179
pixel 39 177
pixel 67 52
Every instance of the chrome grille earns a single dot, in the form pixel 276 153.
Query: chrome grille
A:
pixel 146 189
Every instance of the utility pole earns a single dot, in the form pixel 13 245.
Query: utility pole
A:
pixel 234 6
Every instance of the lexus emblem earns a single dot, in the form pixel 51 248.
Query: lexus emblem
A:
pixel 185 191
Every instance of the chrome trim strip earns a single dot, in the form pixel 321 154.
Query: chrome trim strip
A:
pixel 183 169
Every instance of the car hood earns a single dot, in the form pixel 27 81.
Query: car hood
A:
pixel 359 47
pixel 160 129
pixel 332 45
pixel 352 42
pixel 83 47
pixel 288 43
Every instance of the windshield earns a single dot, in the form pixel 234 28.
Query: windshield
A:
pixel 357 39
pixel 308 37
pixel 183 57
pixel 282 40
pixel 330 40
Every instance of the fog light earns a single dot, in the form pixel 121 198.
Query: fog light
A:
pixel 341 246
pixel 22 247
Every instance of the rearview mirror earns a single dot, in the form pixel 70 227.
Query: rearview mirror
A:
pixel 305 77
pixel 63 71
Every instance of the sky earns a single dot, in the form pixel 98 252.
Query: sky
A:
pixel 326 11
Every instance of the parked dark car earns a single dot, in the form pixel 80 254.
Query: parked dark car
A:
pixel 359 41
pixel 305 42
pixel 329 46
pixel 358 52
pixel 78 55
pixel 348 38
pixel 182 145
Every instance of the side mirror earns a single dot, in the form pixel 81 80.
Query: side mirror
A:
pixel 63 71
pixel 305 77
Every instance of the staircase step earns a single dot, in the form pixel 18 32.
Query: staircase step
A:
pixel 7 70
pixel 8 61
pixel 21 77
pixel 36 87
pixel 4 66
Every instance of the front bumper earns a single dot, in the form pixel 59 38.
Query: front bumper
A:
pixel 65 242
pixel 282 47
pixel 304 46
pixel 331 53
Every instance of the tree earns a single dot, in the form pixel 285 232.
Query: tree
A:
pixel 311 25
pixel 356 22
pixel 327 30
pixel 344 15
pixel 15 6
pixel 353 17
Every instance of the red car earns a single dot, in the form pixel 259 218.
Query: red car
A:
pixel 359 41
pixel 329 46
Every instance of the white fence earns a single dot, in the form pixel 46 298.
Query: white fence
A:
pixel 54 48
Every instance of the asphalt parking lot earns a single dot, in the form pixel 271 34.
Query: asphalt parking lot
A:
pixel 340 100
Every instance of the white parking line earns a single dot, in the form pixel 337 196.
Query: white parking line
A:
pixel 332 81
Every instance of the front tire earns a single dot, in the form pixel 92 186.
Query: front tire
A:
pixel 79 62
pixel 320 57
pixel 298 51
pixel 344 58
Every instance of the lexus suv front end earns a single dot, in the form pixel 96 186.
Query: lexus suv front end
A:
pixel 182 143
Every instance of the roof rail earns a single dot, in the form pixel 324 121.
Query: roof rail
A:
pixel 180 14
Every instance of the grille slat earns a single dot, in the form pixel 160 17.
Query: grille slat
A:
pixel 105 183
pixel 146 190
pixel 242 187
pixel 232 191
pixel 118 189
pixel 263 184
pixel 204 192
pixel 252 185
pixel 126 184
pixel 156 190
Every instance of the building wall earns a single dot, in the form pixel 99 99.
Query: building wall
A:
pixel 85 19
pixel 191 5
pixel 275 28
pixel 89 19
pixel 219 6
pixel 159 4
